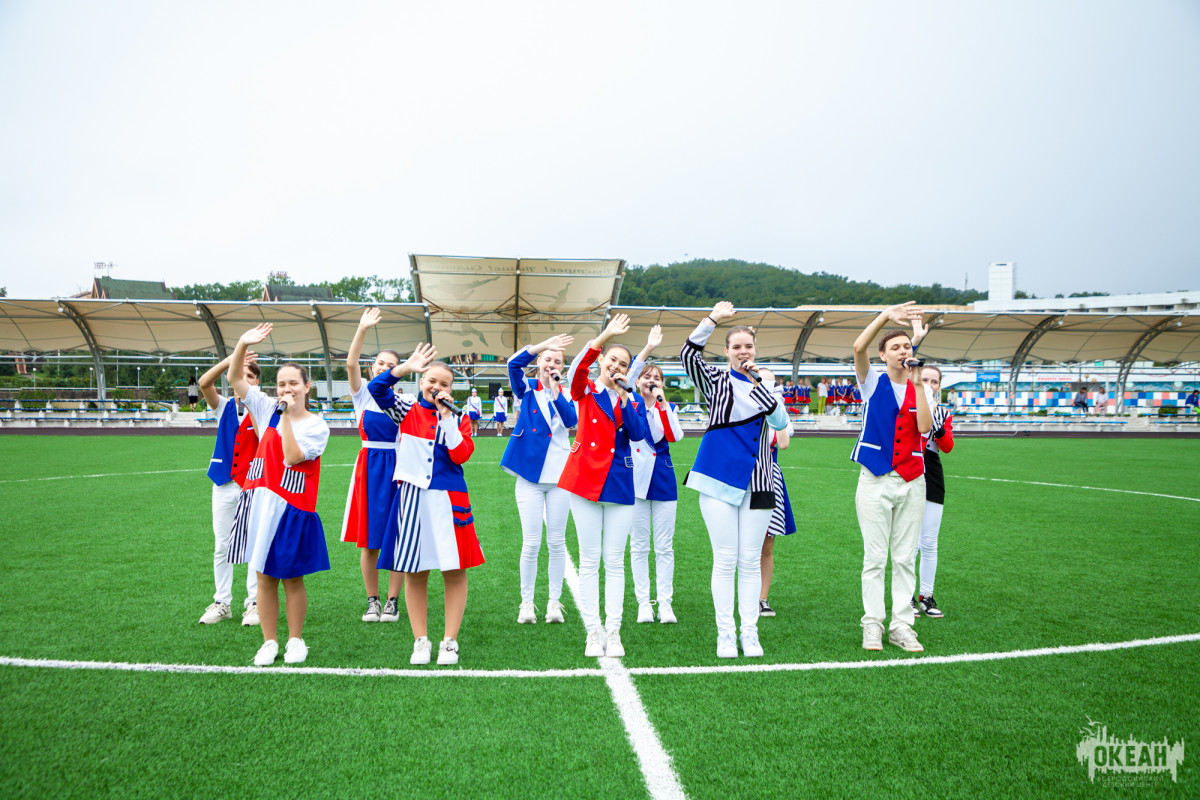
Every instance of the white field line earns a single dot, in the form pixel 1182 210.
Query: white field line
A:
pixel 1026 483
pixel 352 672
pixel 1098 647
pixel 493 463
pixel 661 780
pixel 205 669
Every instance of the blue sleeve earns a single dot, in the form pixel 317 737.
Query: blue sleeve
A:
pixel 634 419
pixel 380 388
pixel 516 372
pixel 566 409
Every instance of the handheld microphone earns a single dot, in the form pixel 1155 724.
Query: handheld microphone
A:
pixel 448 403
pixel 754 375
pixel 281 408
pixel 621 382
pixel 555 377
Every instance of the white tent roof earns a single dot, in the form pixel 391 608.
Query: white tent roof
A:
pixel 496 305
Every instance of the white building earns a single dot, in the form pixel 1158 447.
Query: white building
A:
pixel 1002 285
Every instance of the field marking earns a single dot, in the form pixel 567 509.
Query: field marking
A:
pixel 661 779
pixel 352 672
pixel 585 672
pixel 1098 647
pixel 1027 483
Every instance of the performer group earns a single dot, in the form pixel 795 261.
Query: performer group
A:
pixel 409 512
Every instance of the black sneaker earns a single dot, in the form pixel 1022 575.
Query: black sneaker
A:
pixel 916 607
pixel 929 607
pixel 391 611
pixel 764 609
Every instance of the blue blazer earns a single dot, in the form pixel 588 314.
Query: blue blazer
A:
pixel 526 450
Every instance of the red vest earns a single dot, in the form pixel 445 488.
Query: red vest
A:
pixel 245 445
pixel 908 438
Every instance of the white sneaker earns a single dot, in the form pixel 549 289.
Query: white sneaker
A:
pixel 448 652
pixel 750 646
pixel 614 648
pixel 554 611
pixel 295 652
pixel 250 615
pixel 374 610
pixel 422 647
pixel 527 615
pixel 905 638
pixel 873 636
pixel 267 653
pixel 726 645
pixel 215 613
pixel 391 612
pixel 645 612
pixel 595 643
pixel 666 614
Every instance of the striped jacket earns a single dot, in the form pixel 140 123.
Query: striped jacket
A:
pixel 735 454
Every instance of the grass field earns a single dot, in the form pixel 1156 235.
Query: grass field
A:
pixel 116 567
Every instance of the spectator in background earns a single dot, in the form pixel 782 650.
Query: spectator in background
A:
pixel 1192 402
pixel 1080 401
pixel 193 393
pixel 822 395
pixel 1102 401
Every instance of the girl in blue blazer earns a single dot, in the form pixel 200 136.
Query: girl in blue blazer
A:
pixel 536 454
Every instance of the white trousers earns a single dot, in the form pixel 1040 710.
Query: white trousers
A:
pixel 224 503
pixel 535 503
pixel 662 513
pixel 602 529
pixel 889 515
pixel 927 545
pixel 737 534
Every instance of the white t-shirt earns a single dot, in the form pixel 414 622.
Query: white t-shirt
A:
pixel 500 404
pixel 311 433
pixel 867 387
pixel 822 389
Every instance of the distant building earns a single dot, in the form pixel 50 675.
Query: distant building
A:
pixel 1002 283
pixel 286 293
pixel 106 288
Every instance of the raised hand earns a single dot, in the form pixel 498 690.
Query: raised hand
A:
pixel 617 326
pixel 654 338
pixel 370 318
pixel 904 313
pixel 722 310
pixel 560 342
pixel 250 357
pixel 421 357
pixel 919 331
pixel 258 333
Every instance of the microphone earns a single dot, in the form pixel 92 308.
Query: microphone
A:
pixel 281 408
pixel 754 375
pixel 621 382
pixel 448 403
pixel 554 376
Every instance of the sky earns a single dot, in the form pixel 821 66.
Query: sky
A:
pixel 899 142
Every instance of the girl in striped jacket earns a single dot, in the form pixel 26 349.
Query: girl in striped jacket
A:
pixel 733 472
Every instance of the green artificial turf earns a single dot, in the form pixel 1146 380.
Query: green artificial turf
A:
pixel 118 568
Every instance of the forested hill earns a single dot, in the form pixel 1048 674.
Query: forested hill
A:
pixel 703 282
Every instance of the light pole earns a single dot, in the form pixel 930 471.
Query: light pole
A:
pixel 139 379
pixel 35 377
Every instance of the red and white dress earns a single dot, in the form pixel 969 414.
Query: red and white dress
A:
pixel 430 525
pixel 371 486
pixel 276 529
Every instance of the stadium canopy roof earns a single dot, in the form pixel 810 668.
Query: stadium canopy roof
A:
pixel 496 305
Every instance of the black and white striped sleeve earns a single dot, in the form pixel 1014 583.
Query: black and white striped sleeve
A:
pixel 702 374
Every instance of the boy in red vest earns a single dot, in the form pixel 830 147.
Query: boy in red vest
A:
pixel 891 485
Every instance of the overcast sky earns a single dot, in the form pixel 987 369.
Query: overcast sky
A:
pixel 890 141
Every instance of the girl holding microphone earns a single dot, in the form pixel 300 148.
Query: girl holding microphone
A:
pixel 536 454
pixel 599 476
pixel 733 472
